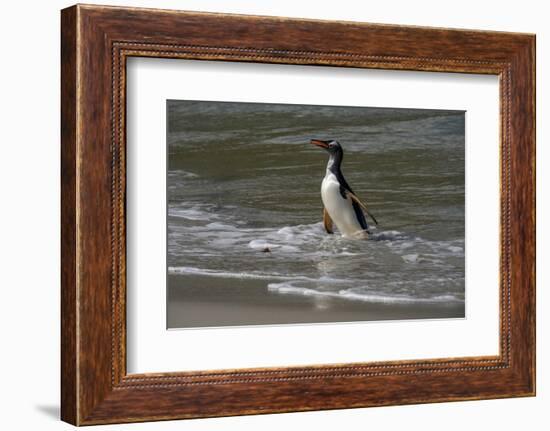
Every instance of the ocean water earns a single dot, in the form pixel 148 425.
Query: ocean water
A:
pixel 244 200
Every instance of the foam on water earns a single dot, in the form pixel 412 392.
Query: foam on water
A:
pixel 227 274
pixel 355 295
pixel 290 285
pixel 304 260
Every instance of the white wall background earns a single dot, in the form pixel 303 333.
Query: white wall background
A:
pixel 29 215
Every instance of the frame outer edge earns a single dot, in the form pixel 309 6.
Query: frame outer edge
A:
pixel 69 196
pixel 532 101
pixel 523 253
pixel 88 396
pixel 533 53
pixel 530 63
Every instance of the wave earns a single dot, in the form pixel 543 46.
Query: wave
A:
pixel 287 286
pixel 228 274
pixel 354 295
pixel 392 266
pixel 193 213
pixel 216 231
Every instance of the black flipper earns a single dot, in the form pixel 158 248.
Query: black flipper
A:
pixel 356 207
pixel 360 216
pixel 355 199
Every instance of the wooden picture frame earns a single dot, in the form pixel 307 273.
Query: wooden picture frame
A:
pixel 95 43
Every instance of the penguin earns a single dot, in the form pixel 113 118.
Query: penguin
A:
pixel 341 206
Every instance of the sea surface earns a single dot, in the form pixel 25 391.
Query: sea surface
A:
pixel 244 201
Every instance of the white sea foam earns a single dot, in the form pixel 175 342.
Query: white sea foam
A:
pixel 303 260
pixel 229 274
pixel 354 295
pixel 181 174
pixel 288 285
pixel 193 213
pixel 410 258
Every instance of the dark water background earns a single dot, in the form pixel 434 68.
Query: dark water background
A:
pixel 243 177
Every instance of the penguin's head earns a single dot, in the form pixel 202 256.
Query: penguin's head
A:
pixel 333 147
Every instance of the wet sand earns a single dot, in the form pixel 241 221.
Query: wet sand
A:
pixel 203 301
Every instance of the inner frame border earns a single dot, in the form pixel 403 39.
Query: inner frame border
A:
pixel 121 50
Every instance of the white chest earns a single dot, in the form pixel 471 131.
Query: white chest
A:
pixel 330 193
pixel 340 209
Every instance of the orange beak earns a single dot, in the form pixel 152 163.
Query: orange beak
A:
pixel 319 143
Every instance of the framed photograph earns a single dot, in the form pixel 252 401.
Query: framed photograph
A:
pixel 263 214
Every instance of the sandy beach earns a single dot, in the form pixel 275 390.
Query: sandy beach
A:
pixel 198 301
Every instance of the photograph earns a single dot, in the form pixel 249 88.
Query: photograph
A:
pixel 292 214
pixel 274 215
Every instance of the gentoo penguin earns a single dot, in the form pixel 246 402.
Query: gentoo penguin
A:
pixel 341 205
